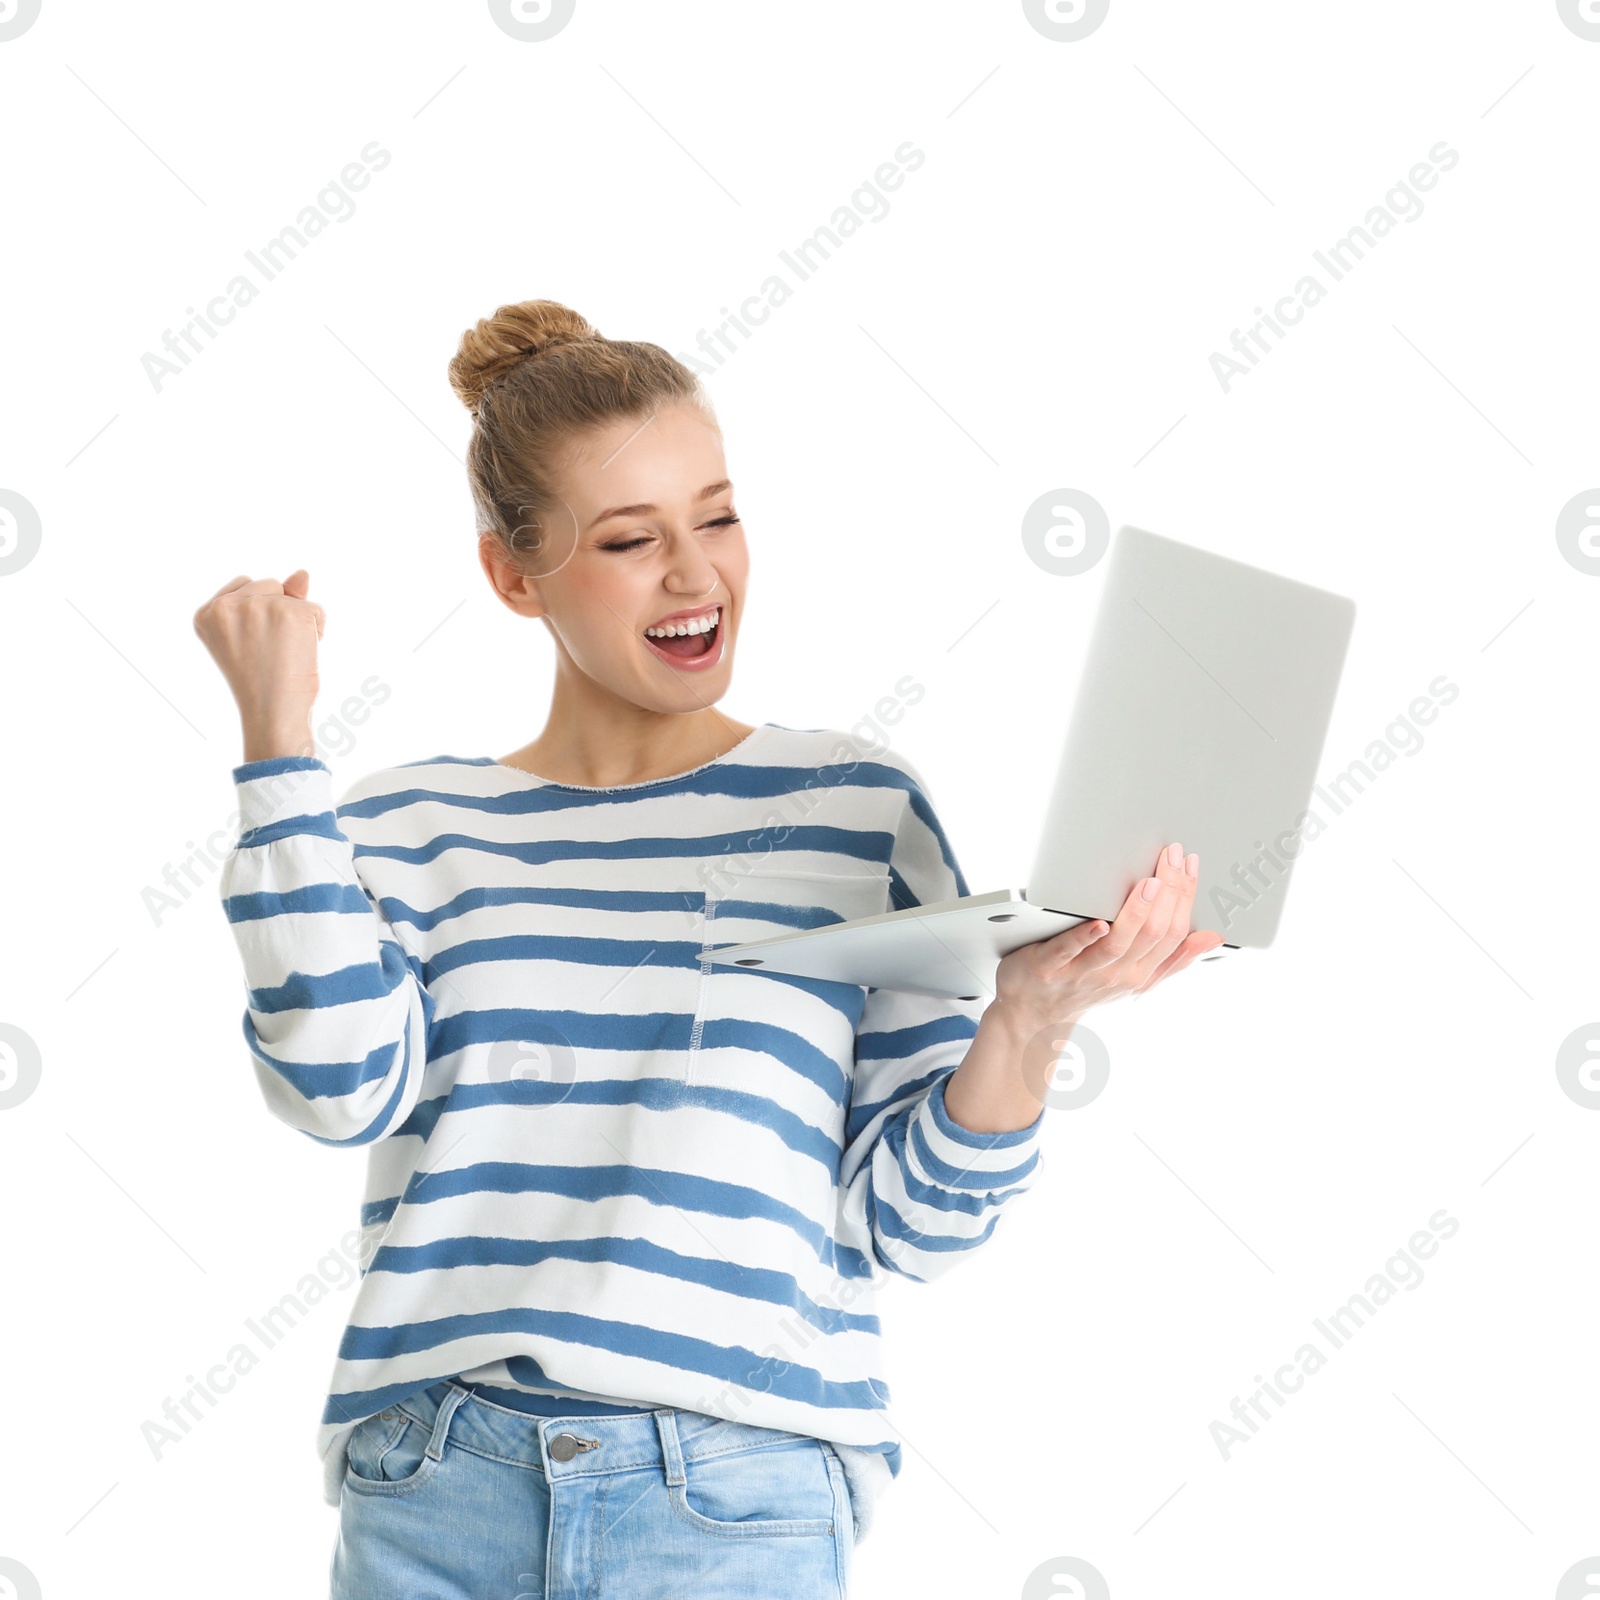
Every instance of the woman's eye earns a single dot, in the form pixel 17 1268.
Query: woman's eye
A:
pixel 633 544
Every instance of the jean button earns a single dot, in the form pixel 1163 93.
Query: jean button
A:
pixel 566 1445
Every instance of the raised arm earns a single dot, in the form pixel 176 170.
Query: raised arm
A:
pixel 336 1015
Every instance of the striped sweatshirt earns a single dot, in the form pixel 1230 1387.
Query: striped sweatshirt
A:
pixel 603 1172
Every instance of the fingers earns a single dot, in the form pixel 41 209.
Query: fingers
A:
pixel 1201 942
pixel 205 610
pixel 1070 943
pixel 1149 938
pixel 1153 921
pixel 1188 871
pixel 1125 927
pixel 1175 871
pixel 1167 911
pixel 295 585
pixel 1167 924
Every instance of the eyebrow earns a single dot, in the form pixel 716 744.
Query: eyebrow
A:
pixel 641 510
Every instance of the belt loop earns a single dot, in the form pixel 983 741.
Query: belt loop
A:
pixel 441 1423
pixel 667 1427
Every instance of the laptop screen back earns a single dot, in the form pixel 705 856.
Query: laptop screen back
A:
pixel 1201 716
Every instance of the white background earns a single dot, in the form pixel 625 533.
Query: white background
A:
pixel 1036 310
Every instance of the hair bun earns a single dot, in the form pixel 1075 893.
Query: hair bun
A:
pixel 514 334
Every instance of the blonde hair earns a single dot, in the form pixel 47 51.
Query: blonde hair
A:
pixel 538 378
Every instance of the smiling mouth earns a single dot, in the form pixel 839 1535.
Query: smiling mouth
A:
pixel 687 646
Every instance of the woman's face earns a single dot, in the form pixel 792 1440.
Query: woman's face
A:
pixel 645 530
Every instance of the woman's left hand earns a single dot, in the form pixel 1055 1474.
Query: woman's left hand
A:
pixel 1057 979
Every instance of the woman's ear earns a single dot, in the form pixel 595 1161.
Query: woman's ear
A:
pixel 519 592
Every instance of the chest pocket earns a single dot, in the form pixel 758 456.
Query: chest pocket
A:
pixel 762 1030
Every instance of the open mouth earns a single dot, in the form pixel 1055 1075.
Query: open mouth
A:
pixel 692 639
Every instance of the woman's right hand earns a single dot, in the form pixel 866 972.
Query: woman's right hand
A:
pixel 263 635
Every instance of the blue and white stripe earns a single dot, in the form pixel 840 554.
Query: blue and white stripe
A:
pixel 603 1172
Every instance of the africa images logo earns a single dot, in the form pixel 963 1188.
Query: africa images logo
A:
pixel 1066 21
pixel 532 21
pixel 16 17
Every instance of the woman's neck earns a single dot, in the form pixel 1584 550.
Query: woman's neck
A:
pixel 632 746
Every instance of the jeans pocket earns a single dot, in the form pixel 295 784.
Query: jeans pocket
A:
pixel 387 1454
pixel 845 1519
pixel 775 1491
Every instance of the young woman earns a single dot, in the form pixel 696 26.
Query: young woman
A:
pixel 626 1210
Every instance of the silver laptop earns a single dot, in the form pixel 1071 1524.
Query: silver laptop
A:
pixel 1200 716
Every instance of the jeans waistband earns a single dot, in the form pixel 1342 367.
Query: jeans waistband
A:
pixel 662 1438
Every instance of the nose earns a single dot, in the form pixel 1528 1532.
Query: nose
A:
pixel 690 574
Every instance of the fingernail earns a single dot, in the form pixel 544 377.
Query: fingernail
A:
pixel 1192 866
pixel 1174 855
pixel 1152 887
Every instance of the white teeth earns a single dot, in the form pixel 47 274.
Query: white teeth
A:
pixel 694 625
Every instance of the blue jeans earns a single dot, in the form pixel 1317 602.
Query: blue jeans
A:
pixel 449 1497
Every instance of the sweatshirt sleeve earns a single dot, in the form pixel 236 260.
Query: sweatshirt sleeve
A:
pixel 336 1015
pixel 920 1190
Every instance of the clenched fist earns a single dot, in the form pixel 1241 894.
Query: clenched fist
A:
pixel 263 635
